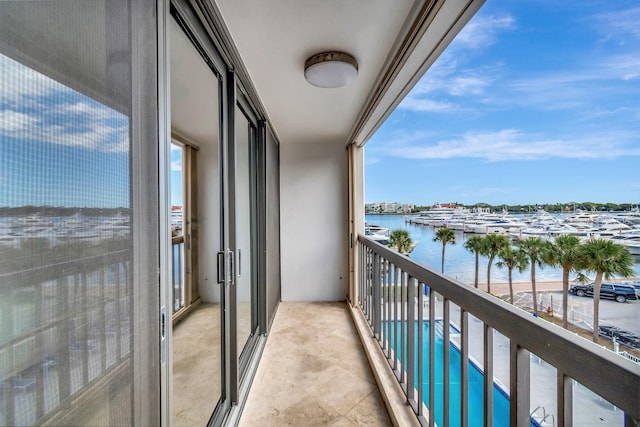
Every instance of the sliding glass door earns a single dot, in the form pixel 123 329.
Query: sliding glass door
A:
pixel 244 212
pixel 79 260
pixel 214 288
pixel 197 289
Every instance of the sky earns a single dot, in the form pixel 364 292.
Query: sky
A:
pixel 535 101
pixel 59 147
pixel 176 175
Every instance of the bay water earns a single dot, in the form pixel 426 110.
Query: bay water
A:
pixel 459 263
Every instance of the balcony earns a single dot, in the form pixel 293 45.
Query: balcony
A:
pixel 493 363
pixel 66 335
pixel 314 370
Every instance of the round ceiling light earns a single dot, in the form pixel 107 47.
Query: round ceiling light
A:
pixel 331 69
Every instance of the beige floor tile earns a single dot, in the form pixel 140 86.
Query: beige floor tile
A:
pixel 313 372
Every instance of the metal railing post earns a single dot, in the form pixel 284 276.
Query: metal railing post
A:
pixel 411 339
pixel 446 361
pixel 488 375
pixel 432 359
pixel 564 400
pixel 519 377
pixel 375 306
pixel 464 368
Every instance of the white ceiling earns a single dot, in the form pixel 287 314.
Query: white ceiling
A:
pixel 275 38
pixel 194 91
pixel 394 41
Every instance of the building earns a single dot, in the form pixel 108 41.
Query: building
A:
pixel 94 329
pixel 388 207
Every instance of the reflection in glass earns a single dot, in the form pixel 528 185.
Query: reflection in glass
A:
pixel 177 232
pixel 66 278
pixel 196 346
pixel 245 229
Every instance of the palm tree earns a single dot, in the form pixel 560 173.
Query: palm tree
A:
pixel 491 245
pixel 400 240
pixel 534 248
pixel 563 253
pixel 606 259
pixel 445 235
pixel 512 259
pixel 474 244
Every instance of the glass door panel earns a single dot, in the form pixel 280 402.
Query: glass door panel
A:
pixel 197 360
pixel 177 226
pixel 79 242
pixel 245 231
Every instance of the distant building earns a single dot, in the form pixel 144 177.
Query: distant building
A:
pixel 388 207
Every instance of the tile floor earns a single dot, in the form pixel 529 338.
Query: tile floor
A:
pixel 314 372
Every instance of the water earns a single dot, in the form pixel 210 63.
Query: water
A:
pixel 476 384
pixel 459 263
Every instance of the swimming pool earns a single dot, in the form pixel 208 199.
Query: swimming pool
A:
pixel 476 384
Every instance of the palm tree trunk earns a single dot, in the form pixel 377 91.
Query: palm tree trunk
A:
pixel 489 274
pixel 565 297
pixel 443 246
pixel 533 288
pixel 596 305
pixel 476 281
pixel 510 286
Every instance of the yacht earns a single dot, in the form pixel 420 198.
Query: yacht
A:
pixel 631 217
pixel 496 226
pixel 438 216
pixel 377 233
pixel 606 225
pixel 630 240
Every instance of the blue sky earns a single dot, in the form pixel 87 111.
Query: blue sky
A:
pixel 57 146
pixel 533 102
pixel 176 175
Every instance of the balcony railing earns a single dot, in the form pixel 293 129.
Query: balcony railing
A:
pixel 413 313
pixel 177 255
pixel 66 330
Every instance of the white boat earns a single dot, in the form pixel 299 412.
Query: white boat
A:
pixel 630 240
pixel 377 233
pixel 501 226
pixel 631 217
pixel 438 215
pixel 606 225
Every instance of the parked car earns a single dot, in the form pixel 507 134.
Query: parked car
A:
pixel 635 285
pixel 614 291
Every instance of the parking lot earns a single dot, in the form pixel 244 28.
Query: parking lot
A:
pixel 625 316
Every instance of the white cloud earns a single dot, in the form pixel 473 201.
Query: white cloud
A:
pixel 511 144
pixel 482 31
pixel 465 85
pixel 176 165
pixel 13 121
pixel 83 108
pixel 71 119
pixel 424 104
pixel 620 24
pixel 90 131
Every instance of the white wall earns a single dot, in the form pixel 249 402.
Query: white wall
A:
pixel 314 221
pixel 208 221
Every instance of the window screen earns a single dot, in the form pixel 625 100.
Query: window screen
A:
pixel 77 300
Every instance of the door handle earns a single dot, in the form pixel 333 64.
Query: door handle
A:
pixel 221 265
pixel 239 262
pixel 231 267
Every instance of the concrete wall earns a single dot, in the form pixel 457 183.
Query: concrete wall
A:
pixel 272 188
pixel 314 221
pixel 208 221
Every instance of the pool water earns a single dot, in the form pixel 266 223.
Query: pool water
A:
pixel 476 385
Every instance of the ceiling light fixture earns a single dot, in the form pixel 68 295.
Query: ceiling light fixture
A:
pixel 331 69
